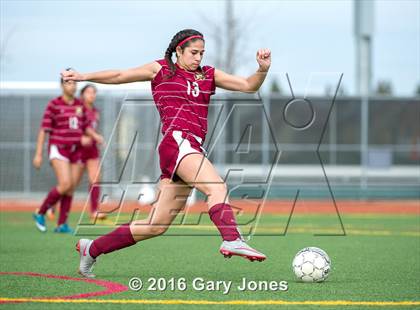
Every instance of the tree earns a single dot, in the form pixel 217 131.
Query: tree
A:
pixel 384 88
pixel 330 90
pixel 4 43
pixel 275 87
pixel 417 93
pixel 229 37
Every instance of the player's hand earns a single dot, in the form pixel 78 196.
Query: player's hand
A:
pixel 264 59
pixel 99 139
pixel 37 161
pixel 86 141
pixel 71 75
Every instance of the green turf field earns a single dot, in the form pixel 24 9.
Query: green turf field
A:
pixel 377 261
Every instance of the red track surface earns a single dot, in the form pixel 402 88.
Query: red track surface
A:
pixel 271 206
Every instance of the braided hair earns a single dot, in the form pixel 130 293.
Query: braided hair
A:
pixel 177 38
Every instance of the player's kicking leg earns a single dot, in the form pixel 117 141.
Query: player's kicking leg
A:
pixel 86 261
pixel 198 171
pixel 239 247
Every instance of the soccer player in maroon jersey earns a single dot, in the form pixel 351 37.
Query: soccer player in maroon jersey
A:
pixel 182 93
pixel 64 121
pixel 90 153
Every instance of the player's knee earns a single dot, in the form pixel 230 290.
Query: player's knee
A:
pixel 94 179
pixel 157 230
pixel 65 187
pixel 141 228
pixel 216 189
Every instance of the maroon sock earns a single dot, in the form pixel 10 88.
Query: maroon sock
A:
pixel 65 206
pixel 222 216
pixel 94 197
pixel 117 239
pixel 52 197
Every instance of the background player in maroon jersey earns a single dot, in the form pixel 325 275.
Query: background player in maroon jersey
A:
pixel 90 153
pixel 64 121
pixel 181 92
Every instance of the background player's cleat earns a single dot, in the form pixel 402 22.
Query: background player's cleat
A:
pixel 86 261
pixel 50 214
pixel 64 229
pixel 40 222
pixel 98 216
pixel 239 247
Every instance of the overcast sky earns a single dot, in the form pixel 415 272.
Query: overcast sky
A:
pixel 308 39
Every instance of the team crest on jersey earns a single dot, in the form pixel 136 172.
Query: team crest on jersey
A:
pixel 199 76
pixel 79 111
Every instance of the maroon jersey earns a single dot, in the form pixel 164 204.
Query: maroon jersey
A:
pixel 92 119
pixel 65 122
pixel 183 99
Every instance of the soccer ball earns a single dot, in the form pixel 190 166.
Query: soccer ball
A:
pixel 311 265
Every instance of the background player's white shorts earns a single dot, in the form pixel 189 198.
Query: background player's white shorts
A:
pixel 71 153
pixel 55 153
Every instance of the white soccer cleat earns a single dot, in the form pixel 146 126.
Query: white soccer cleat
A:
pixel 239 247
pixel 86 261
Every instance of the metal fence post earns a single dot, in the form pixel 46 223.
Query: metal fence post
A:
pixel 266 101
pixel 27 145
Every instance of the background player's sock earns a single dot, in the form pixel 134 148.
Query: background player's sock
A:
pixel 115 240
pixel 65 206
pixel 222 216
pixel 52 197
pixel 94 197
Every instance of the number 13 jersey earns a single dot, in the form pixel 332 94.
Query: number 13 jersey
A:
pixel 183 98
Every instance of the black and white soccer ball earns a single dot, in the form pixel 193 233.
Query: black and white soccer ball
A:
pixel 311 264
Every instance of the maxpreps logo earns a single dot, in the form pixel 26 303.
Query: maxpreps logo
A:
pixel 199 76
pixel 79 111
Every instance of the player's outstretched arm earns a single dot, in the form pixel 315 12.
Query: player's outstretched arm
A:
pixel 144 73
pixel 246 85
